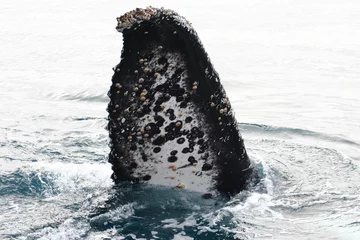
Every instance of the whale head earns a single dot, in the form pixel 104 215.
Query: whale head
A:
pixel 170 120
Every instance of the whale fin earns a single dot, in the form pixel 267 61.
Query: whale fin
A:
pixel 170 121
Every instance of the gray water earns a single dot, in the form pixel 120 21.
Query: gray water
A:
pixel 290 68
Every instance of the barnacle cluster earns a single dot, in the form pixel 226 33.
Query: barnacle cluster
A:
pixel 138 15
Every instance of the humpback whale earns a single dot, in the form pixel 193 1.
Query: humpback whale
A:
pixel 170 121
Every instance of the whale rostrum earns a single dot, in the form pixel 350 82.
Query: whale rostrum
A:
pixel 170 120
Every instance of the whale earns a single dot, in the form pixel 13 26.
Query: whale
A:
pixel 170 121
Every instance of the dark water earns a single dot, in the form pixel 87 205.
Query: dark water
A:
pixel 289 68
pixel 60 189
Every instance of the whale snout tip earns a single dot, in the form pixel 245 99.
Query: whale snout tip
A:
pixel 135 16
pixel 138 15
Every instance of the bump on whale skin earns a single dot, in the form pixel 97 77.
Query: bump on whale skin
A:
pixel 170 121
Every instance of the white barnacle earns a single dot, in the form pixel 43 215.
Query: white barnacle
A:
pixel 212 104
pixel 141 80
pixel 135 89
pixel 146 70
pixel 194 87
pixel 118 85
pixel 136 71
pixel 118 70
pixel 142 98
pixel 156 74
pixel 116 106
pixel 173 167
pixel 141 60
pixel 126 93
pixel 221 111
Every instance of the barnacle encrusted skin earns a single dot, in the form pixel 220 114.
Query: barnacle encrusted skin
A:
pixel 135 17
pixel 167 105
pixel 138 15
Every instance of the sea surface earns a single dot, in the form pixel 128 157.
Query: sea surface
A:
pixel 291 70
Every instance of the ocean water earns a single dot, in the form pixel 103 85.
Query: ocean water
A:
pixel 290 68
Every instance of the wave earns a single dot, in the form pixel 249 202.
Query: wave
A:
pixel 279 132
pixel 48 179
pixel 85 96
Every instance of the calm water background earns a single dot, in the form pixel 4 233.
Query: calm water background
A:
pixel 290 68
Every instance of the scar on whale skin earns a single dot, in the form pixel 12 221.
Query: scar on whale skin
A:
pixel 170 121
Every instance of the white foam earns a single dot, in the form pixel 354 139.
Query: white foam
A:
pixel 63 178
pixel 68 230
pixel 181 236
